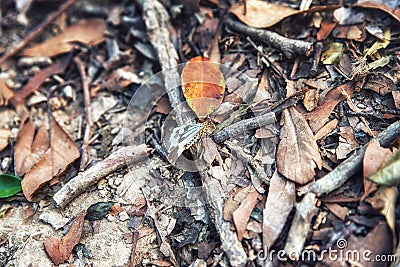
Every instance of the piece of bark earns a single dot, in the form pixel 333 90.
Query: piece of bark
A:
pixel 157 24
pixel 288 46
pixel 78 184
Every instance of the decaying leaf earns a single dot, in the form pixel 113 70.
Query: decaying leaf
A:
pixel 332 53
pixel 280 202
pixel 297 154
pixel 385 200
pixel 89 32
pixel 390 174
pixel 5 93
pixel 318 117
pixel 242 215
pixel 375 157
pixel 34 83
pixel 29 147
pixel 60 250
pixel 4 135
pixel 326 129
pixel 203 86
pixel 260 14
pixel 59 153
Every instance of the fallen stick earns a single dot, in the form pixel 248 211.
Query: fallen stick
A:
pixel 350 166
pixel 115 161
pixel 35 32
pixel 288 46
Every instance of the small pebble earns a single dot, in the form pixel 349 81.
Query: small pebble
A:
pixel 101 187
pixel 123 216
pixel 5 163
pixel 110 181
pixel 111 218
pixel 68 92
pixel 117 181
pixel 115 130
pixel 361 105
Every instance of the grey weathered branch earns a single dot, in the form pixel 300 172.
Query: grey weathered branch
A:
pixel 349 167
pixel 288 46
pixel 115 161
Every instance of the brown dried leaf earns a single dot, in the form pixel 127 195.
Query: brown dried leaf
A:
pixel 89 32
pixel 326 129
pixel 61 152
pixel 30 147
pixel 325 30
pixel 280 202
pixel 310 100
pixel 5 93
pixel 60 250
pixel 347 142
pixel 38 79
pixel 4 134
pixel 242 215
pixel 320 115
pixel 375 158
pixel 298 153
pixel 260 14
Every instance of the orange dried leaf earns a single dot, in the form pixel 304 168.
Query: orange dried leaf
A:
pixel 5 93
pixel 203 86
pixel 89 32
pixel 4 135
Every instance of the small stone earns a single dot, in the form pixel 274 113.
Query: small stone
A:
pixel 111 218
pixel 361 105
pixel 101 187
pixel 123 216
pixel 115 130
pixel 5 163
pixel 117 181
pixel 55 103
pixel 110 182
pixel 68 92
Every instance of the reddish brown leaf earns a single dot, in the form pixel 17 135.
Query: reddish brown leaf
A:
pixel 375 157
pixel 326 129
pixel 298 153
pixel 161 263
pixel 88 32
pixel 60 250
pixel 280 202
pixel 242 215
pixel 61 152
pixel 325 30
pixel 203 86
pixel 320 115
pixel 38 79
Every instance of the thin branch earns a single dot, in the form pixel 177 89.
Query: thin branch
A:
pixel 115 161
pixel 88 112
pixel 288 46
pixel 36 32
pixel 350 166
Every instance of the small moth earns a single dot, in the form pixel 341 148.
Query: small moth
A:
pixel 183 137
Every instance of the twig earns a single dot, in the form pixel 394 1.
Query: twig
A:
pixel 350 166
pixel 242 126
pixel 135 237
pixel 88 112
pixel 35 33
pixel 157 22
pixel 317 57
pixel 289 47
pixel 115 161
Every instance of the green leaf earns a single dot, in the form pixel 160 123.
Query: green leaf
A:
pixel 9 185
pixel 390 174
